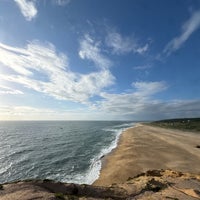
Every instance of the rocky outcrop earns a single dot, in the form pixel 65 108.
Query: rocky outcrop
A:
pixel 155 184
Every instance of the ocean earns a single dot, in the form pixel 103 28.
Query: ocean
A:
pixel 66 151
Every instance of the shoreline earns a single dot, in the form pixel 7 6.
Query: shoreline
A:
pixel 104 158
pixel 124 170
pixel 141 148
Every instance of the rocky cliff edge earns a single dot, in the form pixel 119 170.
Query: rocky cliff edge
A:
pixel 154 185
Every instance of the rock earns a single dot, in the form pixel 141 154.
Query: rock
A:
pixel 154 184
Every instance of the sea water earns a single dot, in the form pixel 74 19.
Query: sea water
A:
pixel 67 151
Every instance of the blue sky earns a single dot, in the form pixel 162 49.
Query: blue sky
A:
pixel 99 59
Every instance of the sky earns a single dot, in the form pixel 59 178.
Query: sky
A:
pixel 99 59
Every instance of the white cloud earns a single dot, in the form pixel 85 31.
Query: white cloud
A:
pixel 142 67
pixel 141 104
pixel 41 68
pixel 149 88
pixel 89 49
pixel 39 113
pixel 62 2
pixel 8 90
pixel 120 106
pixel 26 113
pixel 131 103
pixel 123 45
pixel 27 8
pixel 143 49
pixel 188 28
pixel 23 110
pixel 170 109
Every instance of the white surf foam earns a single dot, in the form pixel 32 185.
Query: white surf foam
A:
pixel 93 173
pixel 96 163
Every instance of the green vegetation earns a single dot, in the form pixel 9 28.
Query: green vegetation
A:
pixel 187 124
pixel 60 196
pixel 72 197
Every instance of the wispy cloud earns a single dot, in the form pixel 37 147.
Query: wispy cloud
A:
pixel 39 113
pixel 141 104
pixel 123 44
pixel 9 90
pixel 188 28
pixel 149 88
pixel 41 68
pixel 23 110
pixel 89 49
pixel 61 2
pixel 142 49
pixel 27 113
pixel 142 67
pixel 27 8
pixel 121 106
pixel 170 109
pixel 129 103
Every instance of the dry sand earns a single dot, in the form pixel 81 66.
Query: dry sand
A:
pixel 145 147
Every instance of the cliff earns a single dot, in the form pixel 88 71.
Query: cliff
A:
pixel 154 184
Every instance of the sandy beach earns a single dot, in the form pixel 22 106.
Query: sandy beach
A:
pixel 140 149
pixel 144 147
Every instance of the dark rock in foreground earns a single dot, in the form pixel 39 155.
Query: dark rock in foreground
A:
pixel 154 185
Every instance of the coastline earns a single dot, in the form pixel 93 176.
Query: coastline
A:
pixel 105 157
pixel 145 147
pixel 140 148
pixel 100 161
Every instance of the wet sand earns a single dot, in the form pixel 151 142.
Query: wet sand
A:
pixel 145 147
